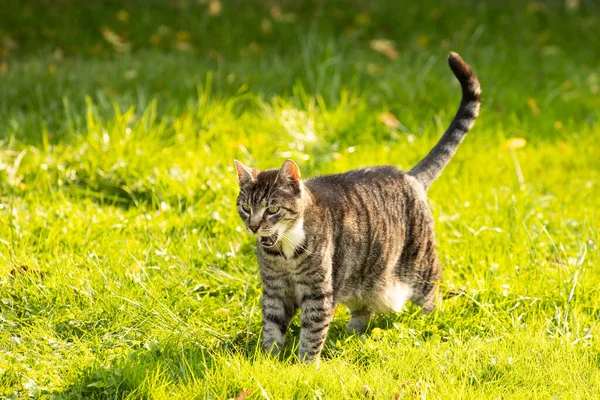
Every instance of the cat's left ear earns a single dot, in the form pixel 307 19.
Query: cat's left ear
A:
pixel 289 171
pixel 246 174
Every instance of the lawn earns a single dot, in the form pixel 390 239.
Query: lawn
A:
pixel 125 271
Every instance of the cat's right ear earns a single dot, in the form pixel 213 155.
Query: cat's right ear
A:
pixel 246 174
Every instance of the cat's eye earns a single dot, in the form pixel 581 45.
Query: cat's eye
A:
pixel 273 209
pixel 246 207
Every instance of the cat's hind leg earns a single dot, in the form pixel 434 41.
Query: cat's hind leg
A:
pixel 430 301
pixel 359 320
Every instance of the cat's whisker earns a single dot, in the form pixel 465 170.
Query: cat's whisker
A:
pixel 295 246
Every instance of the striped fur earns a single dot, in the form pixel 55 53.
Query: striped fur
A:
pixel 430 168
pixel 363 238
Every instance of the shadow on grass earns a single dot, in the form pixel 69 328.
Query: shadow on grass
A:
pixel 114 190
pixel 169 362
pixel 161 363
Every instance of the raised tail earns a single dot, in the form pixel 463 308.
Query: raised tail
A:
pixel 429 168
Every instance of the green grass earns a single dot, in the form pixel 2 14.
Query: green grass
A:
pixel 126 272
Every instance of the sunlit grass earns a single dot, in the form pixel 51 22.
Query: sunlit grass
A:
pixel 125 270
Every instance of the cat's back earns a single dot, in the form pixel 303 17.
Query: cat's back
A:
pixel 371 182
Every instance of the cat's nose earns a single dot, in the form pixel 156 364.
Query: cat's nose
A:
pixel 253 228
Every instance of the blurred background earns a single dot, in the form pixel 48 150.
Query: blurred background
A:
pixel 130 52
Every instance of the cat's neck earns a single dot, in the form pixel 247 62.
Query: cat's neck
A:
pixel 293 238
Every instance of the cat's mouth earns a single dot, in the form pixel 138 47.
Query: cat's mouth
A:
pixel 268 241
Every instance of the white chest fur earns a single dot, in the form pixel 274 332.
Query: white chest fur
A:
pixel 292 239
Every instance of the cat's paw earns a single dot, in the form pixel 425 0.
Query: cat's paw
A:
pixel 309 357
pixel 273 349
pixel 358 324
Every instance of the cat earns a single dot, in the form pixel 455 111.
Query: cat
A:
pixel 364 238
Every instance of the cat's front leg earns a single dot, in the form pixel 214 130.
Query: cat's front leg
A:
pixel 278 309
pixel 317 310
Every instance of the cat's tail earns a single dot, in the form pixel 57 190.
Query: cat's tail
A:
pixel 429 168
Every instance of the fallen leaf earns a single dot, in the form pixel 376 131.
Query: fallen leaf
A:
pixel 215 7
pixel 183 36
pixel 254 48
pixel 514 143
pixel 389 120
pixel 385 47
pixel 155 39
pixel 374 69
pixel 533 106
pixel 59 54
pixel 278 15
pixel 115 40
pixel 243 394
pixel 266 26
pixel 572 5
pixel 362 19
pixel 184 46
pixel 122 16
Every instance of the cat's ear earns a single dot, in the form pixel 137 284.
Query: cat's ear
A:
pixel 246 174
pixel 290 172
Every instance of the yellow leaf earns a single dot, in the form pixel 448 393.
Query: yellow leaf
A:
pixel 558 125
pixel 389 120
pixel 215 7
pixel 155 39
pixel 423 41
pixel 266 26
pixel 52 68
pixel 374 69
pixel 59 53
pixel 572 5
pixel 362 19
pixel 254 48
pixel 514 143
pixel 115 40
pixel 533 106
pixel 183 36
pixel 276 12
pixel 122 16
pixel 184 46
pixel 385 47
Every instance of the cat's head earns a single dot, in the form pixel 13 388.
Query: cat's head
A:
pixel 270 201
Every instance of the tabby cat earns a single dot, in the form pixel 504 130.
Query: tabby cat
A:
pixel 364 238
